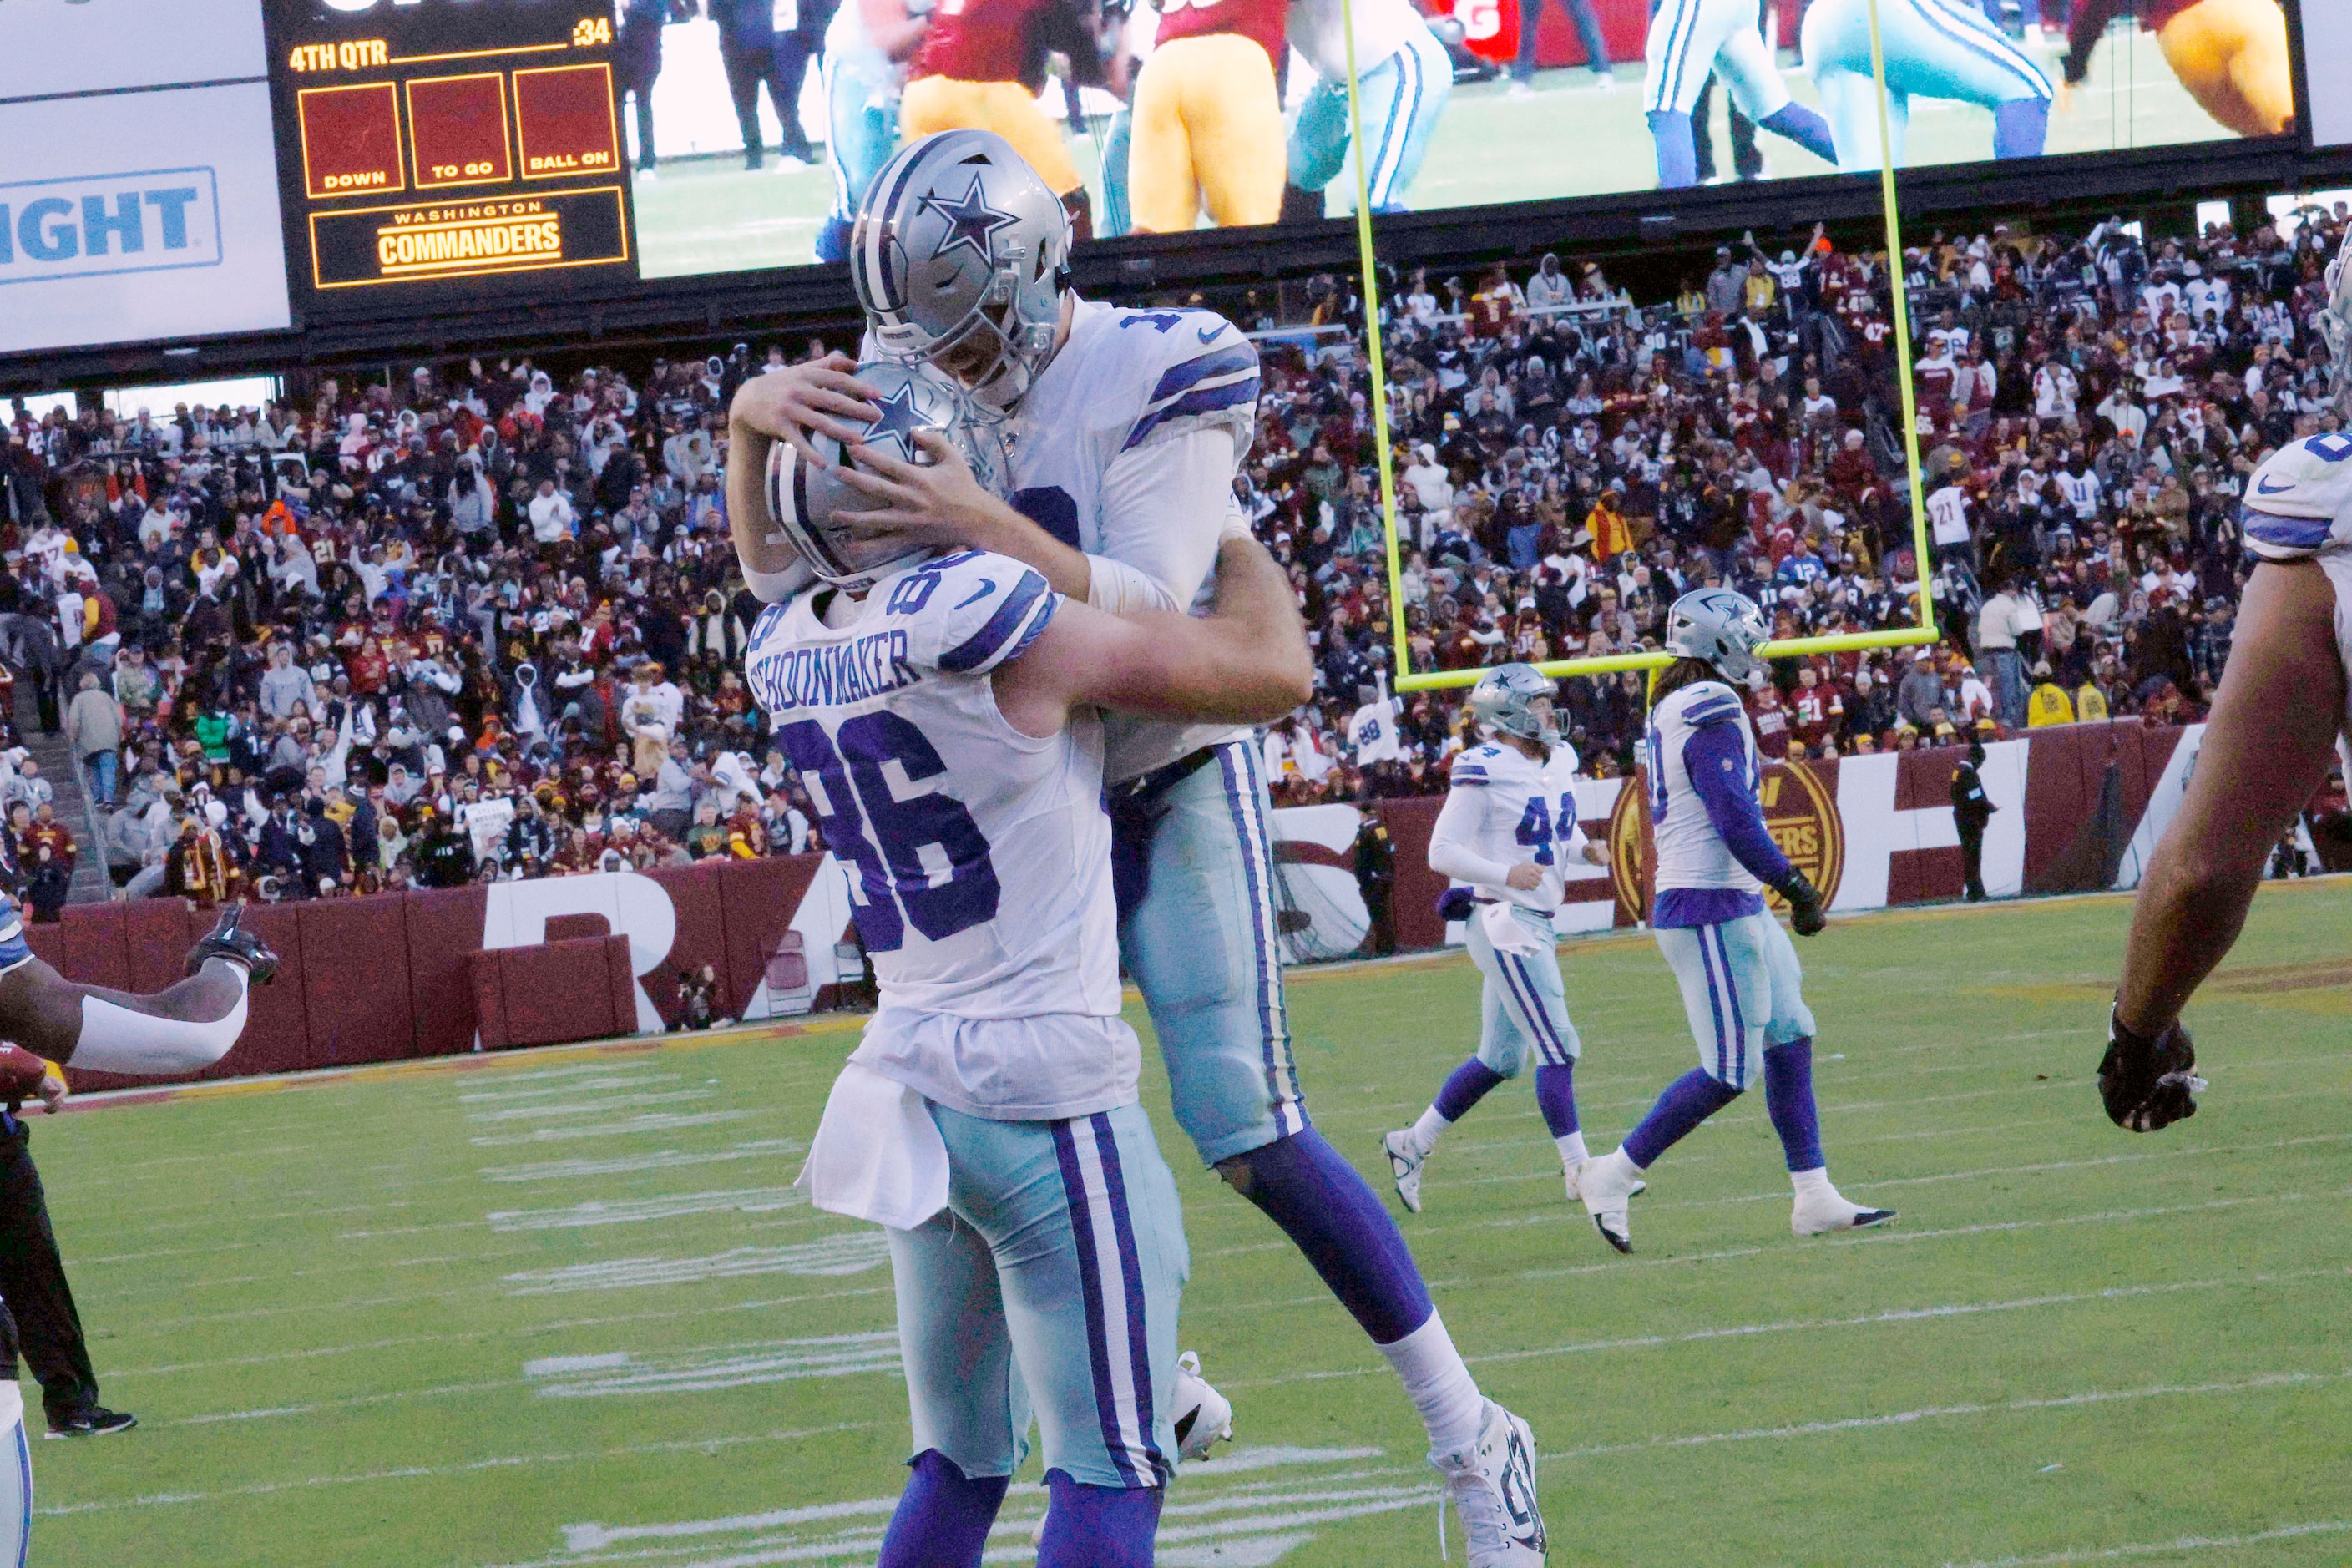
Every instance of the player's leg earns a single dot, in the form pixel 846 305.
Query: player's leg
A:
pixel 1753 79
pixel 1232 117
pixel 15 1481
pixel 1118 212
pixel 1317 150
pixel 1944 49
pixel 1726 1022
pixel 1505 1042
pixel 1424 81
pixel 744 71
pixel 787 73
pixel 1536 978
pixel 1683 38
pixel 1090 1247
pixel 183 1029
pixel 1200 942
pixel 860 129
pixel 2232 56
pixel 970 1418
pixel 1163 191
pixel 1788 1083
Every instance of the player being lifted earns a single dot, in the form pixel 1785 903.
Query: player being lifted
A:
pixel 1507 822
pixel 2278 718
pixel 1125 430
pixel 1403 79
pixel 1740 981
pixel 2232 54
pixel 1934 48
pixel 1690 38
pixel 940 708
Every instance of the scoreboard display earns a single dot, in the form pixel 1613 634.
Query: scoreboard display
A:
pixel 422 141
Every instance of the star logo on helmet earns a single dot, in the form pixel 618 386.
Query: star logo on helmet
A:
pixel 899 420
pixel 971 223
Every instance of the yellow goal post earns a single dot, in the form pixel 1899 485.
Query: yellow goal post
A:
pixel 1406 679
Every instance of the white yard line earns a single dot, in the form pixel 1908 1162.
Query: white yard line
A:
pixel 850 1252
pixel 587 1107
pixel 657 1121
pixel 632 1211
pixel 2178 1547
pixel 665 1160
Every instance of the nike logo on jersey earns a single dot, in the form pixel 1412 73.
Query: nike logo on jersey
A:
pixel 1209 334
pixel 987 586
pixel 2265 488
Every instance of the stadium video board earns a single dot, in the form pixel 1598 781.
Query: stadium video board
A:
pixel 2327 54
pixel 138 183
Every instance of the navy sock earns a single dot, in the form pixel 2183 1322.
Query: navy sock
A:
pixel 1688 1101
pixel 1465 1086
pixel 832 240
pixel 2021 128
pixel 1806 129
pixel 1677 149
pixel 1555 1098
pixel 1097 1527
pixel 943 1518
pixel 1324 1206
pixel 1789 1101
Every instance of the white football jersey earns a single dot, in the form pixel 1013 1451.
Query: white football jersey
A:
pixel 978 857
pixel 1690 852
pixel 1317 32
pixel 2300 503
pixel 1088 449
pixel 1526 811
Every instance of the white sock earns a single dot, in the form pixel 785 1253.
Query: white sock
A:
pixel 1814 1183
pixel 1573 1152
pixel 1619 1154
pixel 1440 1386
pixel 1426 1132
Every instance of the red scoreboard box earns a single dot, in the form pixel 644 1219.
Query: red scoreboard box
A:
pixel 351 140
pixel 457 130
pixel 564 115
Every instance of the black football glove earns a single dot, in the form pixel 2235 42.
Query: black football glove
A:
pixel 1804 904
pixel 2147 1080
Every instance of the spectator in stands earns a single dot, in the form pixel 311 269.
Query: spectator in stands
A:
pixel 94 732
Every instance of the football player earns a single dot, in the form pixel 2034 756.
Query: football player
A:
pixel 1206 122
pixel 942 709
pixel 1740 981
pixel 1508 823
pixel 865 45
pixel 2278 718
pixel 1933 48
pixel 966 75
pixel 2232 56
pixel 1403 79
pixel 1125 430
pixel 1691 38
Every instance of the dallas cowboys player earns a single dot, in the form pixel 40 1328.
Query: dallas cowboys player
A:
pixel 1934 48
pixel 1508 821
pixel 1689 39
pixel 940 709
pixel 1403 79
pixel 1125 428
pixel 866 46
pixel 2277 719
pixel 1738 970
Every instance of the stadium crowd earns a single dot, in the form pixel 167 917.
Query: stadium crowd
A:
pixel 473 623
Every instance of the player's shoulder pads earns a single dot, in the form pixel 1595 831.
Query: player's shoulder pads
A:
pixel 1204 374
pixel 1701 702
pixel 2301 500
pixel 967 613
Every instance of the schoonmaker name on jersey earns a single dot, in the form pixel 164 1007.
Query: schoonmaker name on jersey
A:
pixel 832 675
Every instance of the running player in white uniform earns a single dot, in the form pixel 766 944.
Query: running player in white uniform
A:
pixel 1741 984
pixel 1508 822
pixel 2278 720
pixel 1689 39
pixel 1125 428
pixel 1933 48
pixel 939 710
pixel 1404 77
pixel 866 45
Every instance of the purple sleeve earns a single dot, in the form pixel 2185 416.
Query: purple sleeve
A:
pixel 1717 762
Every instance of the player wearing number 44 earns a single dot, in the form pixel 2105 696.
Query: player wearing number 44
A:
pixel 1741 984
pixel 1507 824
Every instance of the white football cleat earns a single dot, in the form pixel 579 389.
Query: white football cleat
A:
pixel 1606 1185
pixel 1405 1163
pixel 1492 1485
pixel 1819 1213
pixel 1575 1179
pixel 1204 1417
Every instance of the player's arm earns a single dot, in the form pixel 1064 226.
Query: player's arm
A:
pixel 1243 662
pixel 894 32
pixel 784 405
pixel 940 503
pixel 1716 759
pixel 1453 841
pixel 2267 748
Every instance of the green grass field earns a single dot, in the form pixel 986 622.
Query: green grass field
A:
pixel 564 1309
pixel 711 215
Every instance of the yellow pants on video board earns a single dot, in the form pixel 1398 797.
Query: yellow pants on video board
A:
pixel 942 103
pixel 1208 132
pixel 2232 57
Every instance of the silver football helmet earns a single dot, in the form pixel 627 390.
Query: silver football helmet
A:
pixel 2336 324
pixel 1517 699
pixel 958 255
pixel 1720 626
pixel 808 502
